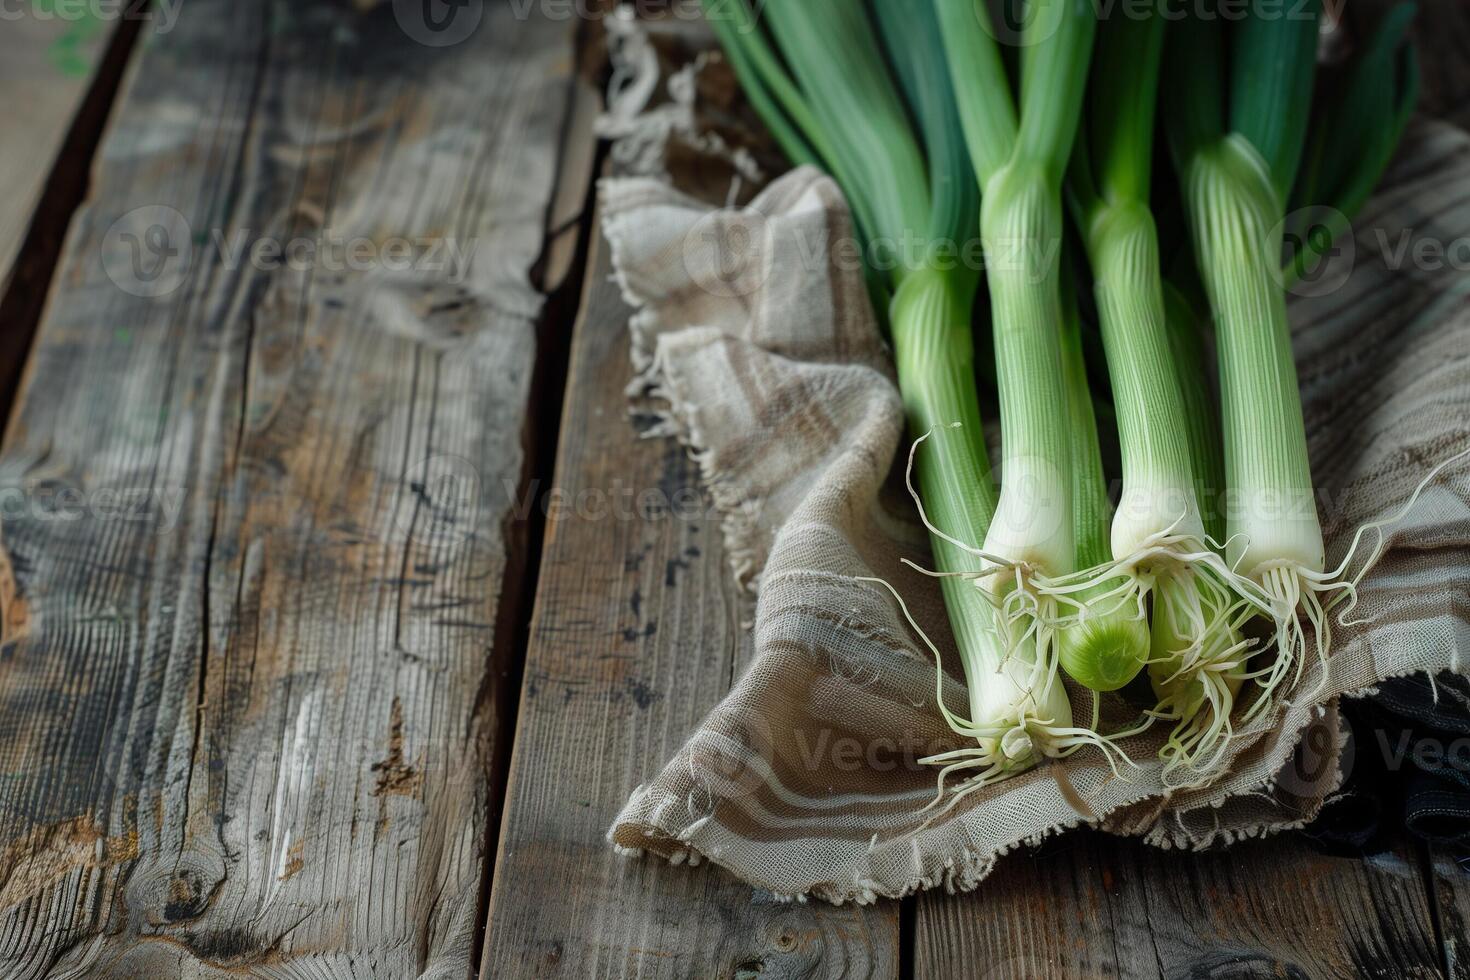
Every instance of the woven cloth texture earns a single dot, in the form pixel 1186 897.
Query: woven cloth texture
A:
pixel 768 363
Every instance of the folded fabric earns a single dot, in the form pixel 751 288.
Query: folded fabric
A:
pixel 1441 703
pixel 1437 811
pixel 753 328
pixel 1408 768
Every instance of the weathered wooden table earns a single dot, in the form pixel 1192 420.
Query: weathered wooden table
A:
pixel 297 677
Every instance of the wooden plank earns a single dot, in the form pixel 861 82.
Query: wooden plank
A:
pixel 248 729
pixel 572 204
pixel 1440 34
pixel 636 634
pixel 1450 881
pixel 1092 906
pixel 59 75
pixel 46 67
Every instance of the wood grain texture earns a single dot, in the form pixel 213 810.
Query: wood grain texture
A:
pixel 636 634
pixel 1441 37
pixel 246 727
pixel 570 215
pixel 46 66
pixel 1449 878
pixel 1089 906
pixel 59 76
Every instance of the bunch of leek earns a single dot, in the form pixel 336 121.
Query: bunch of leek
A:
pixel 1019 150
pixel 1238 104
pixel 1048 574
pixel 1093 601
pixel 832 97
pixel 1159 550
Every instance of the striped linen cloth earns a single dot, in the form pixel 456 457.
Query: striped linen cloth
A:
pixel 753 328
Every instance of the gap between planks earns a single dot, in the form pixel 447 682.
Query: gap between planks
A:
pixel 635 636
pixel 25 285
pixel 559 273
